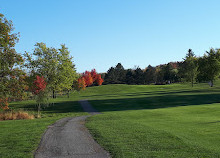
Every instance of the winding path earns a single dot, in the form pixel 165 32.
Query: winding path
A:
pixel 69 138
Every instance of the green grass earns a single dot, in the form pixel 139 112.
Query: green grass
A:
pixel 156 121
pixel 137 121
pixel 20 138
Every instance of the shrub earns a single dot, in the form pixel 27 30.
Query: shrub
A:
pixel 19 115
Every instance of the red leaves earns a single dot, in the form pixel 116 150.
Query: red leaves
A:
pixel 39 85
pixel 81 83
pixel 89 78
pixel 99 80
pixel 94 75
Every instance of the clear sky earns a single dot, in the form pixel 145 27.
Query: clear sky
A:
pixel 101 33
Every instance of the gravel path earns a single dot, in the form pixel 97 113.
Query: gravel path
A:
pixel 69 138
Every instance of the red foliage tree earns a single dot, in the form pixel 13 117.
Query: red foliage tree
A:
pixel 81 83
pixel 99 80
pixel 94 74
pixel 88 78
pixel 39 85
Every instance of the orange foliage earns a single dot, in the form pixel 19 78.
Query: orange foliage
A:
pixel 15 116
pixel 4 103
pixel 81 83
pixel 90 78
pixel 94 74
pixel 99 80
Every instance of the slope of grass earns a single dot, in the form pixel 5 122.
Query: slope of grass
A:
pixel 20 138
pixel 138 121
pixel 157 121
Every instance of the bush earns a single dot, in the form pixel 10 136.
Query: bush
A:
pixel 19 115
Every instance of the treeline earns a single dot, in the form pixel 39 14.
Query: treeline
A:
pixel 192 69
pixel 41 74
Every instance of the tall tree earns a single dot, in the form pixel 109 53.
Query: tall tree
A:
pixel 10 61
pixel 55 65
pixel 209 66
pixel 116 74
pixel 110 76
pixel 191 67
pixel 66 70
pixel 130 76
pixel 149 74
pixel 139 76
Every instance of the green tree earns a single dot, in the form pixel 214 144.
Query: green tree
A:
pixel 149 74
pixel 66 70
pixel 139 76
pixel 190 67
pixel 116 74
pixel 209 66
pixel 11 74
pixel 55 65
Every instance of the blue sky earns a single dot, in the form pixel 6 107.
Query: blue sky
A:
pixel 101 33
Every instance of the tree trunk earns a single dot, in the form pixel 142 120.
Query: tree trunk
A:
pixel 68 93
pixel 54 94
pixel 211 83
pixel 38 111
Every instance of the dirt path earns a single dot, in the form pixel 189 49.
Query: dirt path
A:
pixel 69 138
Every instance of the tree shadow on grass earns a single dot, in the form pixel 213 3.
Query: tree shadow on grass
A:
pixel 154 102
pixel 64 107
pixel 59 107
pixel 163 92
pixel 135 101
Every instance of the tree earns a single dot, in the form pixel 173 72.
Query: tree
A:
pixel 209 66
pixel 55 65
pixel 88 78
pixel 38 89
pixel 66 70
pixel 190 67
pixel 138 76
pixel 91 78
pixel 130 76
pixel 116 74
pixel 99 80
pixel 94 75
pixel 149 75
pixel 110 76
pixel 120 73
pixel 10 62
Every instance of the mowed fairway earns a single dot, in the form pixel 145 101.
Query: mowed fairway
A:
pixel 138 121
pixel 156 121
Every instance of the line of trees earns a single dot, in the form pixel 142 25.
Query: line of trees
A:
pixel 20 73
pixel 192 69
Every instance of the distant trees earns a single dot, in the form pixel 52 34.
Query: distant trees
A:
pixel 116 75
pixel 88 78
pixel 149 74
pixel 162 74
pixel 209 66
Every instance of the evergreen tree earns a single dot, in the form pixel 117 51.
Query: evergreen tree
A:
pixel 149 75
